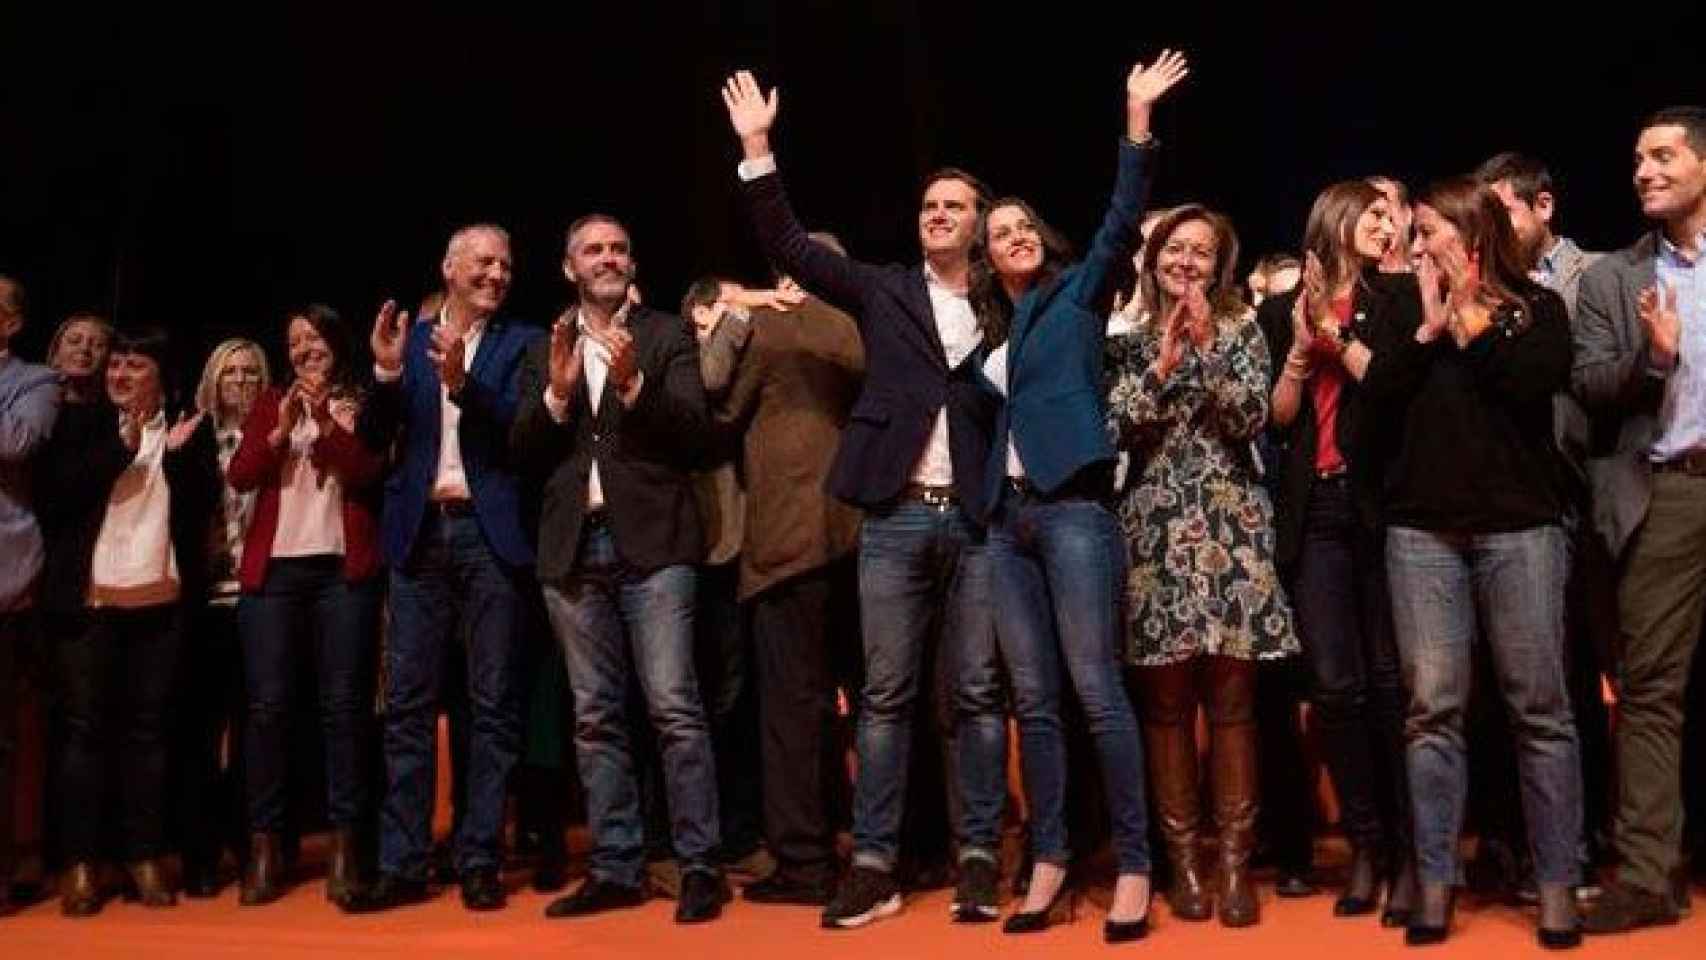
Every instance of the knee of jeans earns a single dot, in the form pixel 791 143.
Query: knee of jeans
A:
pixel 677 716
pixel 266 711
pixel 889 698
pixel 1339 701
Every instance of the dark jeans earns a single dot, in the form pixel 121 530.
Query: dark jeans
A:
pixel 307 601
pixel 1661 606
pixel 1447 588
pixel 796 626
pixel 117 676
pixel 1056 574
pixel 452 594
pixel 207 793
pixel 924 570
pixel 1344 619
pixel 616 623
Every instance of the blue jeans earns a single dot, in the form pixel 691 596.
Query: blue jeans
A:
pixel 607 616
pixel 1056 574
pixel 1511 584
pixel 924 569
pixel 452 593
pixel 307 599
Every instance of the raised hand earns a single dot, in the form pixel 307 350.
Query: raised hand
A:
pixel 1435 317
pixel 1656 306
pixel 624 359
pixel 1145 85
pixel 390 331
pixel 1149 84
pixel 182 431
pixel 751 113
pixel 130 429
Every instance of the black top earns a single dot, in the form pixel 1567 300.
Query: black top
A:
pixel 1475 451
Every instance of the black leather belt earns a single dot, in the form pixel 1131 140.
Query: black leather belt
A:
pixel 596 518
pixel 453 508
pixel 1095 482
pixel 1340 472
pixel 1692 463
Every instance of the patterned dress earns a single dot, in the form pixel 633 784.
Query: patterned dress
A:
pixel 1198 525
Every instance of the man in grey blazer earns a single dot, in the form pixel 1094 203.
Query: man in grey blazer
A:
pixel 1640 370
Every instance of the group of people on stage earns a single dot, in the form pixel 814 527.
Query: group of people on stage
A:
pixel 1078 494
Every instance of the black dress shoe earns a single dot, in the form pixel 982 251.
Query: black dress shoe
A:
pixel 482 890
pixel 703 894
pixel 1362 889
pixel 551 875
pixel 785 887
pixel 389 893
pixel 595 896
pixel 201 880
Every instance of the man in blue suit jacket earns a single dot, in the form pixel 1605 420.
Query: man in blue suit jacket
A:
pixel 913 456
pixel 459 561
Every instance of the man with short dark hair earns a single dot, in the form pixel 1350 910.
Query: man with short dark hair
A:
pixel 1640 369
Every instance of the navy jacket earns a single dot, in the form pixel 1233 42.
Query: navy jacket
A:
pixel 407 411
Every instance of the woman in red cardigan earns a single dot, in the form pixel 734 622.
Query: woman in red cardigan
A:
pixel 309 575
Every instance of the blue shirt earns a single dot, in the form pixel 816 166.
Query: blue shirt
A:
pixel 1682 417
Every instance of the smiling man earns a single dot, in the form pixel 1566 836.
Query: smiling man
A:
pixel 912 455
pixel 1641 368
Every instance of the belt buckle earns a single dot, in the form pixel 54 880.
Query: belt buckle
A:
pixel 936 498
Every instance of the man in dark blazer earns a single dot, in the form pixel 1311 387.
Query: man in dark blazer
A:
pixel 451 527
pixel 1640 369
pixel 913 456
pixel 612 423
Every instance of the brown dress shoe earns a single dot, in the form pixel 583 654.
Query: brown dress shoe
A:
pixel 148 883
pixel 80 891
pixel 263 878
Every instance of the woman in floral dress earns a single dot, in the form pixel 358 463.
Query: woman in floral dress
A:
pixel 1189 392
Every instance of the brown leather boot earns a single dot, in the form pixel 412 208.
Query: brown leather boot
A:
pixel 80 890
pixel 148 883
pixel 341 872
pixel 1233 749
pixel 263 878
pixel 1169 738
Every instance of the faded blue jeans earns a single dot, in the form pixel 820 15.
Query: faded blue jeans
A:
pixel 1447 588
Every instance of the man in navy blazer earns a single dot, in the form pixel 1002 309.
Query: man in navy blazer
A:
pixel 446 394
pixel 913 456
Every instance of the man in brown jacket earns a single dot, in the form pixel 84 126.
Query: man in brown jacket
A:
pixel 790 395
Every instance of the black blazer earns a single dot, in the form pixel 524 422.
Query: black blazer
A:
pixel 645 455
pixel 79 464
pixel 907 378
pixel 1385 312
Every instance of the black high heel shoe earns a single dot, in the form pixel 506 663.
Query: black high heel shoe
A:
pixel 1062 908
pixel 1400 898
pixel 1125 931
pixel 1430 923
pixel 1362 889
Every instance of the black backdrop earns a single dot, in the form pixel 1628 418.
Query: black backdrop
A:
pixel 207 170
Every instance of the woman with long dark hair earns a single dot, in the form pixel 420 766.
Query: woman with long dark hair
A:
pixel 1475 545
pixel 1056 554
pixel 309 576
pixel 1336 333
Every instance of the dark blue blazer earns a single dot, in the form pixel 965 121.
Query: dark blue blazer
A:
pixel 407 412
pixel 1055 411
pixel 907 377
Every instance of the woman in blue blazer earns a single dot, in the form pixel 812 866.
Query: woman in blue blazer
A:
pixel 1057 556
